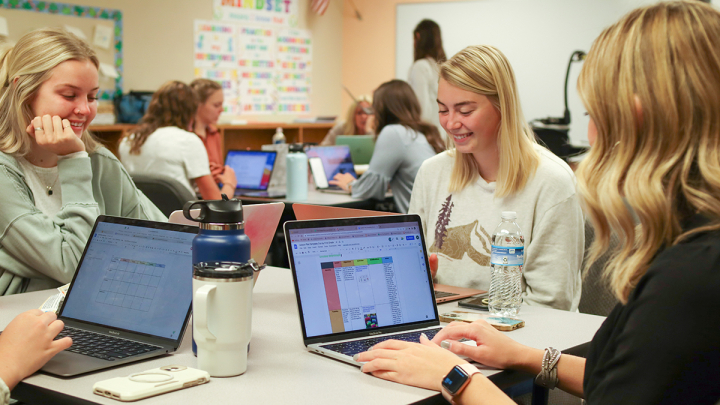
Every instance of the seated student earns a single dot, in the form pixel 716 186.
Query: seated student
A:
pixel 210 99
pixel 651 84
pixel 55 178
pixel 358 121
pixel 404 141
pixel 163 144
pixel 495 165
pixel 27 344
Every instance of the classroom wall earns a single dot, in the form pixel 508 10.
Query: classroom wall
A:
pixel 158 45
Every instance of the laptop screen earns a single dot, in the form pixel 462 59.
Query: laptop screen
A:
pixel 136 278
pixel 252 168
pixel 335 159
pixel 353 275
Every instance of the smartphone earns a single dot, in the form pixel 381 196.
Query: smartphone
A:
pixel 318 172
pixel 150 383
pixel 477 302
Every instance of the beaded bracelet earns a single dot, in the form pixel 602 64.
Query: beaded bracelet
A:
pixel 548 375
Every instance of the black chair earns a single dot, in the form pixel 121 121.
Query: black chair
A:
pixel 166 193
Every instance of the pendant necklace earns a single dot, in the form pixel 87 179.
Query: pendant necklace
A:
pixel 50 187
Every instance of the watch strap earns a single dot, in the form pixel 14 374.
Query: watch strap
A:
pixel 470 370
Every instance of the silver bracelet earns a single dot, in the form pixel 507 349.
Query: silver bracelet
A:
pixel 548 375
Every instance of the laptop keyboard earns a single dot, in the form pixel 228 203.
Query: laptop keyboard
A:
pixel 444 294
pixel 102 346
pixel 358 346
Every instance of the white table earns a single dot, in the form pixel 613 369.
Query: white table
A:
pixel 280 370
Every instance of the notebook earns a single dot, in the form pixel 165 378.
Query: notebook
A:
pixel 335 159
pixel 130 298
pixel 253 170
pixel 359 281
pixel 443 292
pixel 261 222
pixel 361 147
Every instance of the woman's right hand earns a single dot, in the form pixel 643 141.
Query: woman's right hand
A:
pixel 55 135
pixel 494 348
pixel 228 177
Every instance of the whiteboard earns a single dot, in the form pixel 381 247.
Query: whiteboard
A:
pixel 537 36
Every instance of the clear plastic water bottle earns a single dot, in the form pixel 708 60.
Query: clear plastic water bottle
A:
pixel 506 264
pixel 279 137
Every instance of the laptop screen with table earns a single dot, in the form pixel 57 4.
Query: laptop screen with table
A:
pixel 360 275
pixel 253 168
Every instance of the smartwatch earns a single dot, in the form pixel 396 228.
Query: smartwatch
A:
pixel 457 379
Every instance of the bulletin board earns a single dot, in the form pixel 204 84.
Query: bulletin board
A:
pixel 24 16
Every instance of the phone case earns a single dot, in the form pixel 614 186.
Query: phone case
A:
pixel 150 382
pixel 498 322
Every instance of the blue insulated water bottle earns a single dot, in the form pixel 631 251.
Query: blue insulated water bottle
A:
pixel 297 173
pixel 221 237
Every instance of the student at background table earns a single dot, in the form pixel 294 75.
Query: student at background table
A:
pixel 404 141
pixel 27 344
pixel 210 106
pixel 358 121
pixel 650 84
pixel 423 76
pixel 162 144
pixel 55 179
pixel 495 165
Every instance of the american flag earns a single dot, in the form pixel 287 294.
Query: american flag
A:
pixel 320 6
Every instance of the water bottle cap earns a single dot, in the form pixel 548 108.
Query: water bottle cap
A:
pixel 278 130
pixel 223 211
pixel 509 215
pixel 295 147
pixel 226 270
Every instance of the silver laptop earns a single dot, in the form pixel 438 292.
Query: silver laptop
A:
pixel 359 281
pixel 130 298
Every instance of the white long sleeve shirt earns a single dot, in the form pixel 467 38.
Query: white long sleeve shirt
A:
pixel 458 227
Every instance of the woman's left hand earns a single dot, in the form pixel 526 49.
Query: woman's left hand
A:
pixel 342 180
pixel 421 364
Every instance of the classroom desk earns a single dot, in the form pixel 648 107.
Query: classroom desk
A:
pixel 280 370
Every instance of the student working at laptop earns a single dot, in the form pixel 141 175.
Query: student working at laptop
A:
pixel 25 345
pixel 404 141
pixel 55 178
pixel 162 144
pixel 495 165
pixel 210 105
pixel 358 121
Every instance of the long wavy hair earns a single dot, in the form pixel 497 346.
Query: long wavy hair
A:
pixel 174 104
pixel 428 41
pixel 651 84
pixel 395 102
pixel 483 69
pixel 23 69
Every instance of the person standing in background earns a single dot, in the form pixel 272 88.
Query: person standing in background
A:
pixel 210 99
pixel 423 76
pixel 357 122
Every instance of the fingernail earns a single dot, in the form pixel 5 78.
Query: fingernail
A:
pixel 445 344
pixel 424 335
pixel 355 357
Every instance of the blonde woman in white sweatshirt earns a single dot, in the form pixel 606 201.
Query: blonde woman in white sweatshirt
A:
pixel 495 165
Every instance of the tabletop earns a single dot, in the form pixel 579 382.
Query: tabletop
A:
pixel 278 358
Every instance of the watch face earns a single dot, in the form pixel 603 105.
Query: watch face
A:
pixel 454 380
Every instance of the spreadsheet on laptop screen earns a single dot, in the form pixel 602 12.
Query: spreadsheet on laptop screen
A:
pixel 360 277
pixel 127 277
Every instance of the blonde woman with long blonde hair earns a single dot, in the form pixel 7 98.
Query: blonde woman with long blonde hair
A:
pixel 358 121
pixel 651 84
pixel 55 178
pixel 495 165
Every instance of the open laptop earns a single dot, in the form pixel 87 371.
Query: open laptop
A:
pixel 443 292
pixel 359 281
pixel 261 221
pixel 253 170
pixel 320 178
pixel 361 147
pixel 335 159
pixel 130 298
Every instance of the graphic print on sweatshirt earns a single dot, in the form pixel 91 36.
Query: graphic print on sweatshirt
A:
pixel 455 242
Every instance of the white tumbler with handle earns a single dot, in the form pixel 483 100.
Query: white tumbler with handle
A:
pixel 222 316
